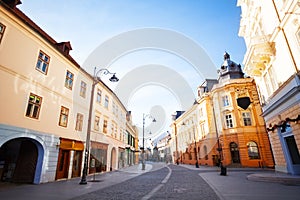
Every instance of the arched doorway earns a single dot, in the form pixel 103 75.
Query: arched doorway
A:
pixel 19 158
pixel 235 154
pixel 113 159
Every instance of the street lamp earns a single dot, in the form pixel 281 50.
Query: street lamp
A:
pixel 96 80
pixel 219 149
pixel 196 153
pixel 143 150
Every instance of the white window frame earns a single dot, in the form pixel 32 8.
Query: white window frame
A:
pixel 43 61
pixel 229 120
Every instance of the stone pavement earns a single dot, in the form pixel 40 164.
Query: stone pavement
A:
pixel 67 189
pixel 250 183
pixel 240 183
pixel 256 174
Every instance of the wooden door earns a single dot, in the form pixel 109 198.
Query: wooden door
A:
pixel 63 164
pixel 76 168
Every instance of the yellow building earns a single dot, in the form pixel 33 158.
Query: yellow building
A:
pixel 45 107
pixel 271 30
pixel 224 124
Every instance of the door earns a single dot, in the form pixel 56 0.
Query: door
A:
pixel 76 164
pixel 235 154
pixel 293 154
pixel 63 164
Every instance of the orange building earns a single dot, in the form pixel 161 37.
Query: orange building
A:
pixel 226 124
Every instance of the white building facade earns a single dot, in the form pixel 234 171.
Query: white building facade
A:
pixel 271 30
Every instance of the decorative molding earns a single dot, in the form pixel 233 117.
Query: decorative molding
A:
pixel 282 124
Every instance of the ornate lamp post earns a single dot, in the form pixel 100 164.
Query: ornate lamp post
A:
pixel 96 80
pixel 143 150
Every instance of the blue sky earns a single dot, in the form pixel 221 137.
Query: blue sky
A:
pixel 87 24
pixel 212 24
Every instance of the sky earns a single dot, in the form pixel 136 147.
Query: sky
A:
pixel 181 41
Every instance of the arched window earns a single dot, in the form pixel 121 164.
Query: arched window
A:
pixel 253 150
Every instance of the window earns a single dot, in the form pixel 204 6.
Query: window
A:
pixel 69 80
pixel 34 106
pixel 202 130
pixel 205 152
pixel 106 102
pixel 112 129
pixel 116 131
pixel 247 118
pixel 298 35
pixel 43 62
pixel 225 100
pixel 2 29
pixel 114 108
pixel 253 150
pixel 99 96
pixel 83 89
pixel 229 122
pixel 201 112
pixel 96 125
pixel 105 126
pixel 63 118
pixel 79 122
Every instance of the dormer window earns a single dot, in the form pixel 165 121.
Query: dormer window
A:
pixel 65 47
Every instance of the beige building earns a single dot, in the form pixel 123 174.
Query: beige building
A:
pixel 271 30
pixel 44 120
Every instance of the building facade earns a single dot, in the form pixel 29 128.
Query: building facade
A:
pixel 271 30
pixel 44 122
pixel 224 124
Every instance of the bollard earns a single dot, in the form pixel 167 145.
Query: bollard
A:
pixel 223 171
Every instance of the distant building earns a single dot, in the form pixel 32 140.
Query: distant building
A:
pixel 224 124
pixel 271 30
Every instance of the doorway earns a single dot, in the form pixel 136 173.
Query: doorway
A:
pixel 293 154
pixel 76 169
pixel 235 154
pixel 18 159
pixel 63 164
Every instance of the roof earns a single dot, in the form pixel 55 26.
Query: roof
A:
pixel 10 5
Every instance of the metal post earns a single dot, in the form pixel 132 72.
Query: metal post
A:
pixel 88 136
pixel 143 150
pixel 196 153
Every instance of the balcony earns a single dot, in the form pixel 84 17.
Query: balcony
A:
pixel 259 55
